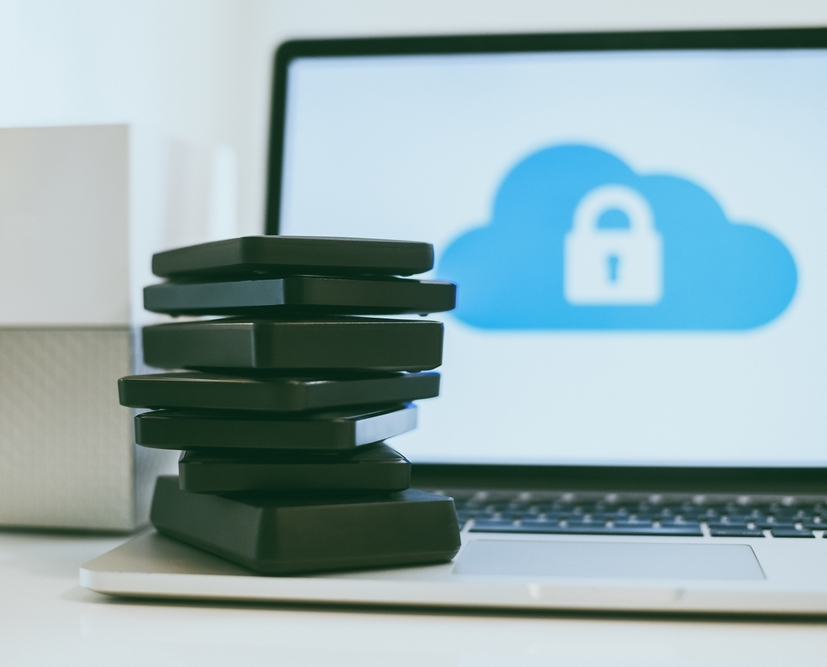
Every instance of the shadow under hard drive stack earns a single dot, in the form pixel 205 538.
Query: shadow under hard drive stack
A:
pixel 286 402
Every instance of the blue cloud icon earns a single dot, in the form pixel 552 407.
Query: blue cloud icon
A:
pixel 578 240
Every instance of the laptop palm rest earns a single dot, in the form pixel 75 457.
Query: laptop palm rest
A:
pixel 615 560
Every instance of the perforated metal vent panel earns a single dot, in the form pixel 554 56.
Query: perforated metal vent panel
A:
pixel 67 457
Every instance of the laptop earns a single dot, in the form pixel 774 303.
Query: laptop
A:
pixel 633 396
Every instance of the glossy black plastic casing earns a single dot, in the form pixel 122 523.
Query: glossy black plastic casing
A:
pixel 281 535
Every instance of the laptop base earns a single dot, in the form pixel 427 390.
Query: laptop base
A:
pixel 153 566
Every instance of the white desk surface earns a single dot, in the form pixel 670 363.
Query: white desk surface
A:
pixel 46 618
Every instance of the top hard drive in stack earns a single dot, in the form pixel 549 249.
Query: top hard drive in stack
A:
pixel 252 256
pixel 292 398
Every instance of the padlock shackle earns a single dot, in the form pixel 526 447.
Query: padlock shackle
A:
pixel 613 197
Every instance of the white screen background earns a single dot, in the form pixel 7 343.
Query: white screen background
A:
pixel 415 147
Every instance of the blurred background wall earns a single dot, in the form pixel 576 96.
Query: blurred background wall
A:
pixel 199 70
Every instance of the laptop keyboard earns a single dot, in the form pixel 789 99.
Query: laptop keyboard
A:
pixel 628 514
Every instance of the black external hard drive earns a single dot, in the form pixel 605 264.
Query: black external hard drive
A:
pixel 341 430
pixel 302 295
pixel 292 534
pixel 318 344
pixel 374 467
pixel 286 255
pixel 273 393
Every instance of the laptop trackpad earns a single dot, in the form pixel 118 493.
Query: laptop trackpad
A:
pixel 615 560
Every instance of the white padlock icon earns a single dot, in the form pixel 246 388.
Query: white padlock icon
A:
pixel 613 266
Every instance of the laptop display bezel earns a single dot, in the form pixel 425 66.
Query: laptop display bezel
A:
pixel 571 477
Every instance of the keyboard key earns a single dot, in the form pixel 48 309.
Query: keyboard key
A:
pixel 772 522
pixel 723 525
pixel 734 531
pixel 790 532
pixel 588 520
pixel 736 519
pixel 487 518
pixel 492 525
pixel 633 523
pixel 554 528
pixel 677 521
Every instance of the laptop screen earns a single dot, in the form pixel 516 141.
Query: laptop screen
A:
pixel 639 239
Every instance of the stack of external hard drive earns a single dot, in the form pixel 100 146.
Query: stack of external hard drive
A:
pixel 283 408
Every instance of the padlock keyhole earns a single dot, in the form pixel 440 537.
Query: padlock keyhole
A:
pixel 613 262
